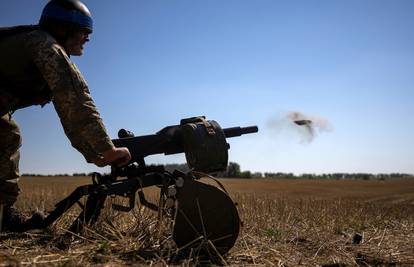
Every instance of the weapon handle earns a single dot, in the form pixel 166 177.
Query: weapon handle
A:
pixel 237 131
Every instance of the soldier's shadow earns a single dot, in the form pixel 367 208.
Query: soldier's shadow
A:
pixel 140 255
pixel 146 255
pixel 31 238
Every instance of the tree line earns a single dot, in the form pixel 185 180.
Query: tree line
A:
pixel 234 171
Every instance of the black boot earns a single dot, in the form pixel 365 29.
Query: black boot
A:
pixel 15 221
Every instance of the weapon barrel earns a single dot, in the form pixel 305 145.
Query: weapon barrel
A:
pixel 238 131
pixel 167 141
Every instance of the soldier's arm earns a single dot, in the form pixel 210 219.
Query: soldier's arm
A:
pixel 71 98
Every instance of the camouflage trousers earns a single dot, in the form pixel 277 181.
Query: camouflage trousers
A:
pixel 10 142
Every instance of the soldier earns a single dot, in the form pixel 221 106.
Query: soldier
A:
pixel 35 69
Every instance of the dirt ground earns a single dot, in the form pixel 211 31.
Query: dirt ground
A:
pixel 285 223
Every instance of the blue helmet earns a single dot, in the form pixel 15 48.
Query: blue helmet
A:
pixel 69 12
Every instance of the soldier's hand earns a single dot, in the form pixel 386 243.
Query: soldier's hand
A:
pixel 117 156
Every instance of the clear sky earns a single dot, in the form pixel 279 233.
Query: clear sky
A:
pixel 150 63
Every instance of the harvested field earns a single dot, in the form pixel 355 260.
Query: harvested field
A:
pixel 285 223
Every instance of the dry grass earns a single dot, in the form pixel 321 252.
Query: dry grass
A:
pixel 286 223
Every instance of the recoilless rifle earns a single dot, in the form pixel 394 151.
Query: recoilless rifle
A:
pixel 204 216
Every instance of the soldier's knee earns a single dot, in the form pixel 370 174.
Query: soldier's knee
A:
pixel 9 191
pixel 10 142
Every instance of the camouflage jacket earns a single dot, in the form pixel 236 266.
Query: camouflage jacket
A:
pixel 35 69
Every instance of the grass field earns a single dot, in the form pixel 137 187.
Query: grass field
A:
pixel 285 223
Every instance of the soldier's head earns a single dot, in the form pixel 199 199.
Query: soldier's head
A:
pixel 70 22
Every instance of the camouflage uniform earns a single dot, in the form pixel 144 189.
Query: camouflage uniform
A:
pixel 35 69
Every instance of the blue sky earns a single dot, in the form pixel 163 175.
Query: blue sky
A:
pixel 151 63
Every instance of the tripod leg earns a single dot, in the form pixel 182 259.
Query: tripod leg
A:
pixel 90 212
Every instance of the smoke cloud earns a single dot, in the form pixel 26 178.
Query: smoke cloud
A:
pixel 306 127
